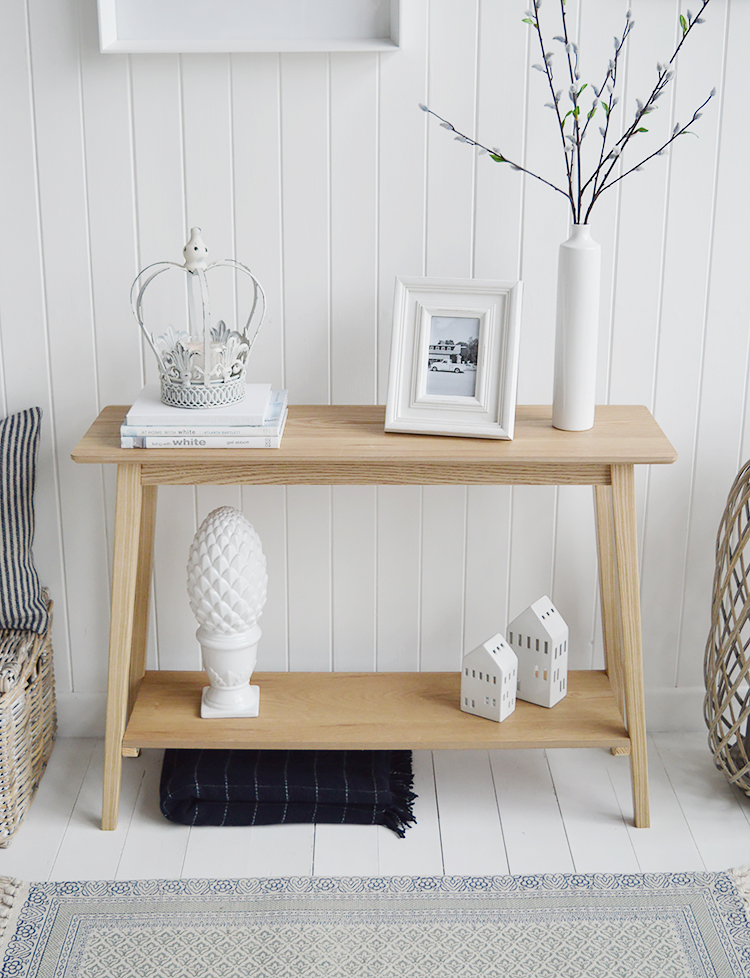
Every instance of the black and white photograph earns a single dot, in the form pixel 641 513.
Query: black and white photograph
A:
pixel 452 355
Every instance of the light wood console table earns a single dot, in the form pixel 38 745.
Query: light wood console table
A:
pixel 347 446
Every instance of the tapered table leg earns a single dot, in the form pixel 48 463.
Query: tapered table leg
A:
pixel 626 551
pixel 125 573
pixel 142 601
pixel 608 591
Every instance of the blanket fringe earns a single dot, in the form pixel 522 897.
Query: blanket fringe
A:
pixel 400 814
pixel 741 879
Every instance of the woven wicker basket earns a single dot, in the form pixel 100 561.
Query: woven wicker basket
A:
pixel 727 658
pixel 28 722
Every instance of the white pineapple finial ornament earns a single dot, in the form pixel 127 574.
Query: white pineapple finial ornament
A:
pixel 227 587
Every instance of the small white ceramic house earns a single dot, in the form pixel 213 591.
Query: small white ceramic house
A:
pixel 488 680
pixel 539 637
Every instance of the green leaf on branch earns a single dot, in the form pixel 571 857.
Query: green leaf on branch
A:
pixel 683 25
pixel 585 85
pixel 497 158
pixel 641 129
pixel 592 113
pixel 606 109
pixel 527 20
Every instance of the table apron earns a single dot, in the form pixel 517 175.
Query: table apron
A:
pixel 381 473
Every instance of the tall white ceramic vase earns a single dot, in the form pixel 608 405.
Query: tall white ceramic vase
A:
pixel 578 286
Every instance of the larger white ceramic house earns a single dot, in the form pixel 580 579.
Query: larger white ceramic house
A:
pixel 539 637
pixel 488 680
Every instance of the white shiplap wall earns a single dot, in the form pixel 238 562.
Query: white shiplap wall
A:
pixel 320 172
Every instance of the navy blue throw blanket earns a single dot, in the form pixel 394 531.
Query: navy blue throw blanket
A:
pixel 264 787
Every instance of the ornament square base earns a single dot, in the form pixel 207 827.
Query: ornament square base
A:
pixel 209 712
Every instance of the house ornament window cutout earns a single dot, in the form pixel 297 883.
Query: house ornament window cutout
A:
pixel 488 680
pixel 539 638
pixel 205 365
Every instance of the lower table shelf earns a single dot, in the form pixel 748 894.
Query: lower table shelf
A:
pixel 369 711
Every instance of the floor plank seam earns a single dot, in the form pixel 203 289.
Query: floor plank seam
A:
pixel 313 861
pixel 185 853
pixel 53 864
pixel 630 828
pixel 499 811
pixel 560 811
pixel 679 802
pixel 437 813
pixel 131 820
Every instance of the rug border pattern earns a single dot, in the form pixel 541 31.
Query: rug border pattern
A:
pixel 36 902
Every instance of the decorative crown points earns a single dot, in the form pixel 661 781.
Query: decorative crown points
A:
pixel 203 366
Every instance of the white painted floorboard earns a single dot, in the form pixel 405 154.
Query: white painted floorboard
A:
pixel 471 833
pixel 595 824
pixel 533 827
pixel 478 813
pixel 716 816
pixel 152 845
pixel 668 846
pixel 419 853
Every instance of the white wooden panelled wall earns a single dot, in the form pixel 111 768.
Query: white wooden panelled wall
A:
pixel 320 172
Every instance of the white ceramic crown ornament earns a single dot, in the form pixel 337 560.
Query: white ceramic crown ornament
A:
pixel 227 586
pixel 203 366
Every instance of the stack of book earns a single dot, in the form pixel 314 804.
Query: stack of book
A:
pixel 256 422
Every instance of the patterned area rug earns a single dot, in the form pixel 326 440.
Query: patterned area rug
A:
pixel 652 926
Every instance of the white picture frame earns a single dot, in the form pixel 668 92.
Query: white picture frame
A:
pixel 443 379
pixel 188 26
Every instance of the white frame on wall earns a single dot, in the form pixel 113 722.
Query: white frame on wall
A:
pixel 490 411
pixel 185 26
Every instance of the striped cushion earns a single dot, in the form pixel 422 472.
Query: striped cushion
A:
pixel 22 604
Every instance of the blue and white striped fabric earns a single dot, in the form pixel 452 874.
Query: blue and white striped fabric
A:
pixel 22 604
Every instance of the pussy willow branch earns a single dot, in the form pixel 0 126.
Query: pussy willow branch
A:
pixel 664 77
pixel 681 131
pixel 556 103
pixel 600 179
pixel 599 176
pixel 610 82
pixel 574 79
pixel 690 25
pixel 493 153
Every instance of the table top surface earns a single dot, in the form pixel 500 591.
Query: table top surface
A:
pixel 622 434
pixel 337 445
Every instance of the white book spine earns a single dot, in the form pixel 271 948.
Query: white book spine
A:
pixel 209 441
